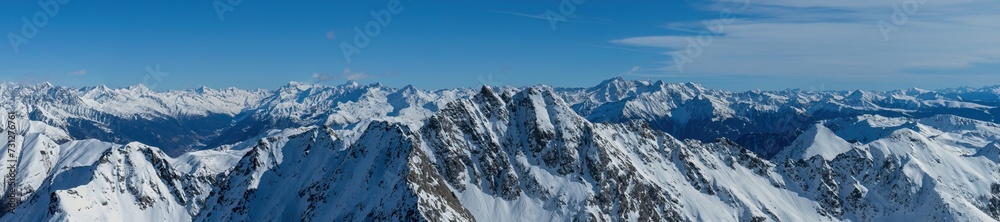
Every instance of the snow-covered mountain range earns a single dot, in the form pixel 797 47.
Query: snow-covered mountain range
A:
pixel 620 151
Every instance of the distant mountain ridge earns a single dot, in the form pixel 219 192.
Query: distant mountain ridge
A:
pixel 203 118
pixel 620 151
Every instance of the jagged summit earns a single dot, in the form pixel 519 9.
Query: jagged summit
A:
pixel 204 89
pixel 409 88
pixel 623 150
pixel 297 86
pixel 486 90
pixel 991 151
pixel 612 82
pixel 351 83
pixel 45 84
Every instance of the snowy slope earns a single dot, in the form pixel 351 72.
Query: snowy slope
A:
pixel 133 182
pixel 621 151
pixel 762 120
pixel 182 120
pixel 178 120
pixel 202 118
pixel 533 159
pixel 816 141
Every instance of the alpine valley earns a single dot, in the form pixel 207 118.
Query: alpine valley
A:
pixel 624 150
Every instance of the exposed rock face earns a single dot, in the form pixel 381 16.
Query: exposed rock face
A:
pixel 504 154
pixel 314 176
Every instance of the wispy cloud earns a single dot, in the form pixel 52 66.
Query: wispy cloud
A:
pixel 323 77
pixel 352 76
pixel 347 75
pixel 78 72
pixel 534 16
pixel 837 39
pixel 631 71
pixel 633 49
pixel 542 16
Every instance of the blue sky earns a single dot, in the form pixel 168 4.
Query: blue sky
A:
pixel 724 44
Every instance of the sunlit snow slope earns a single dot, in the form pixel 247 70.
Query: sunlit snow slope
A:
pixel 620 151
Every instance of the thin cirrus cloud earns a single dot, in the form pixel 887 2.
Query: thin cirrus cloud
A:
pixel 833 38
pixel 78 72
pixel 347 75
pixel 542 16
pixel 535 16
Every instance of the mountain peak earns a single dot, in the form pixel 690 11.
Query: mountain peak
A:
pixel 991 151
pixel 45 84
pixel 859 95
pixel 539 90
pixel 97 89
pixel 487 94
pixel 409 88
pixel 487 91
pixel 541 100
pixel 616 89
pixel 203 90
pixel 322 152
pixel 139 88
pixel 615 80
pixel 351 83
pixel 919 90
pixel 818 140
pixel 695 86
pixel 299 86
